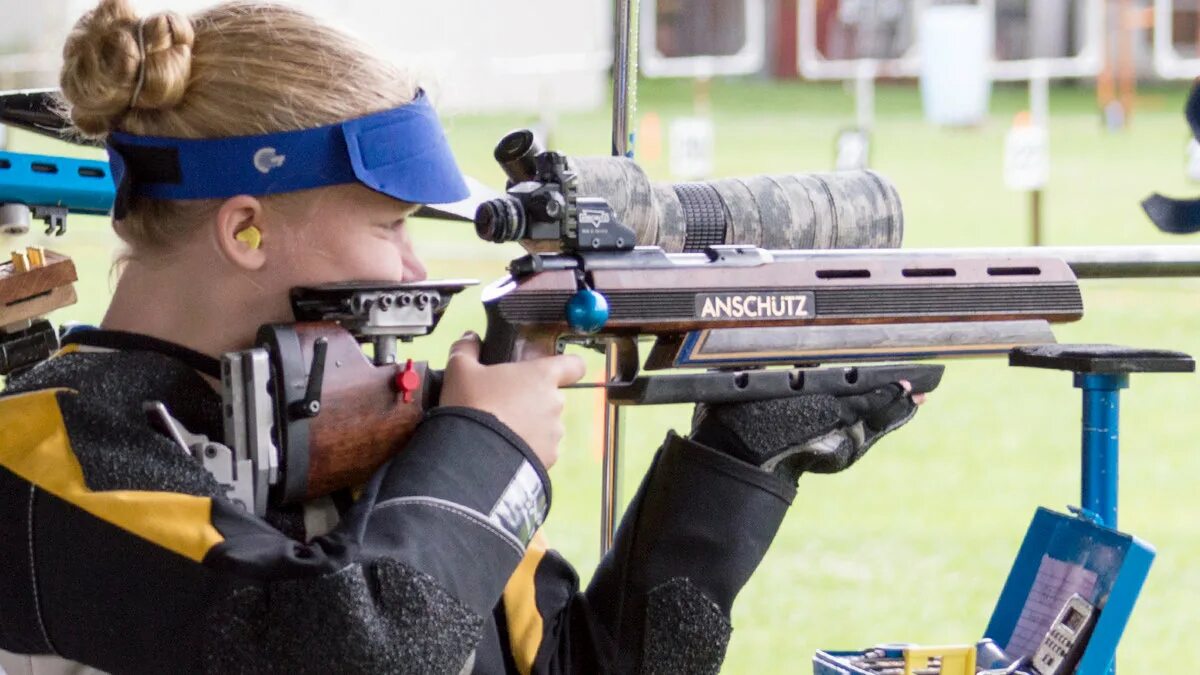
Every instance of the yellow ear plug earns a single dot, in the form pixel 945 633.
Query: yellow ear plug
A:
pixel 250 237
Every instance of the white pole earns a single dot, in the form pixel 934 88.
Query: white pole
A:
pixel 864 93
pixel 1039 95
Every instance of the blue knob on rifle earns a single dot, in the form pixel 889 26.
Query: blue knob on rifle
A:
pixel 587 311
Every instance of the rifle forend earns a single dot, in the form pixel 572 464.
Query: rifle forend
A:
pixel 745 307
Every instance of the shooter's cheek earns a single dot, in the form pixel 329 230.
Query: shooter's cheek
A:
pixel 414 269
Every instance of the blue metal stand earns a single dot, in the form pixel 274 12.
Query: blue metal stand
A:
pixel 1101 371
pixel 1101 446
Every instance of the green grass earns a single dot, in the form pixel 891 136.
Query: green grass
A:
pixel 915 542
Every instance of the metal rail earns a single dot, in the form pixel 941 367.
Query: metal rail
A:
pixel 1088 262
pixel 624 103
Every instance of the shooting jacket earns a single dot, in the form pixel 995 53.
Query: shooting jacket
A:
pixel 121 552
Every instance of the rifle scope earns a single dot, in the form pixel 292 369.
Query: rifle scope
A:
pixel 848 209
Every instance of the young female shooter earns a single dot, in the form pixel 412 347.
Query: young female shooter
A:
pixel 257 150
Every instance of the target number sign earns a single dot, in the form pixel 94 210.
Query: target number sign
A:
pixel 1026 158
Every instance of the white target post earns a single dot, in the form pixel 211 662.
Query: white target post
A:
pixel 691 141
pixel 1027 148
pixel 853 144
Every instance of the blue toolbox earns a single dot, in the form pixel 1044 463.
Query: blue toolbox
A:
pixel 1072 578
pixel 1076 578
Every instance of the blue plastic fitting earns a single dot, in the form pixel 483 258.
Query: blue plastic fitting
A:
pixel 587 311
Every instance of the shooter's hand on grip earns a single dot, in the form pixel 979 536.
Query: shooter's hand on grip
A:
pixel 524 396
pixel 816 433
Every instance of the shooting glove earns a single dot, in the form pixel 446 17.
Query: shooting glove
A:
pixel 820 433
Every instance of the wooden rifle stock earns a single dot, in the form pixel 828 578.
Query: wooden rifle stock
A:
pixel 366 412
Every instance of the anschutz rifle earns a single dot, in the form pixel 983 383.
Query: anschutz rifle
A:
pixel 308 413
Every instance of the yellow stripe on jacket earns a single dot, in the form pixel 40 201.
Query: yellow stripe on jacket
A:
pixel 35 446
pixel 520 607
pixel 64 350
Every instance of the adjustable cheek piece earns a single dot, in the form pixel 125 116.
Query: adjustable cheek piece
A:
pixel 401 153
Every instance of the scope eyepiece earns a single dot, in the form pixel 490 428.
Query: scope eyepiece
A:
pixel 500 220
pixel 516 154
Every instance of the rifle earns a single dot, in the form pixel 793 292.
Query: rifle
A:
pixel 758 322
pixel 308 412
pixel 732 310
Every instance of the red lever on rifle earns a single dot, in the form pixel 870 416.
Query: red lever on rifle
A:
pixel 407 381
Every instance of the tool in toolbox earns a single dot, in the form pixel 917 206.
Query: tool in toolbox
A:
pixel 1076 579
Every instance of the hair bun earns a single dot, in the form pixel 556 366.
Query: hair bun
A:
pixel 168 39
pixel 106 72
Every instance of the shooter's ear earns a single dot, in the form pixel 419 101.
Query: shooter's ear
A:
pixel 239 231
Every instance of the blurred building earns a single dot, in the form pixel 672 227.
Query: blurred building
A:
pixel 882 29
pixel 540 54
pixel 479 56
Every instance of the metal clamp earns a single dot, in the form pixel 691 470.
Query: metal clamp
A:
pixel 249 412
pixel 233 473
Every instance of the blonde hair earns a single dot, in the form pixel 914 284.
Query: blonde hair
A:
pixel 236 69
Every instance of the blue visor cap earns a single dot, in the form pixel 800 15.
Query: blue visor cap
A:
pixel 401 153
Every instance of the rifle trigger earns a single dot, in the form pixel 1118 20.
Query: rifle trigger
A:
pixel 310 405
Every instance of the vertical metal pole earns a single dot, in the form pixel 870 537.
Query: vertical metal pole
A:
pixel 611 473
pixel 1039 113
pixel 1126 76
pixel 624 104
pixel 1035 216
pixel 864 94
pixel 1101 430
pixel 625 77
pixel 1101 416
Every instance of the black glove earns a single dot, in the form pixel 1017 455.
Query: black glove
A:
pixel 820 433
